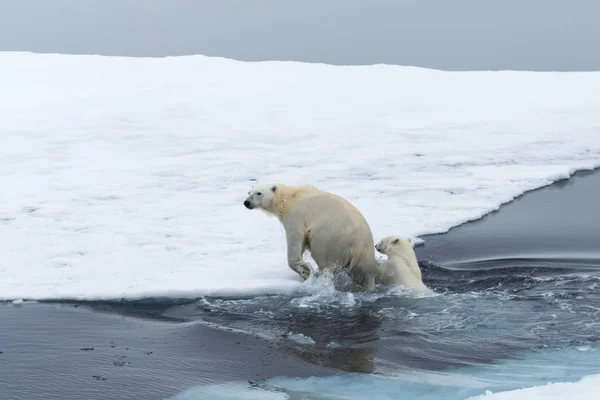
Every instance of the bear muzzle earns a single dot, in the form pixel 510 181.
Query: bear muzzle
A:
pixel 248 205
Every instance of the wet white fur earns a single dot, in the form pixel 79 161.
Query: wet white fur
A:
pixel 401 266
pixel 334 231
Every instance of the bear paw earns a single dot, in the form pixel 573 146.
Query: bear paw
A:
pixel 304 271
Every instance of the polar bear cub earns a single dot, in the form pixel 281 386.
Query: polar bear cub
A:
pixel 401 267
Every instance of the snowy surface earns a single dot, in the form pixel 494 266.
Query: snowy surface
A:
pixel 124 177
pixel 585 389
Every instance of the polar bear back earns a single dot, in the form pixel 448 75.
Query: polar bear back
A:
pixel 336 232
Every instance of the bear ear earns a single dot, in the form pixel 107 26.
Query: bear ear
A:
pixel 410 240
pixel 273 189
pixel 396 241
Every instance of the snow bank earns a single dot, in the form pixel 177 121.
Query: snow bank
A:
pixel 124 177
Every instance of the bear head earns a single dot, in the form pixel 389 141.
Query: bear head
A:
pixel 261 196
pixel 393 244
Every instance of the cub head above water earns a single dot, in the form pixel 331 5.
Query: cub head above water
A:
pixel 394 245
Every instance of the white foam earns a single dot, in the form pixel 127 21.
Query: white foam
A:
pixel 300 338
pixel 124 177
pixel 584 389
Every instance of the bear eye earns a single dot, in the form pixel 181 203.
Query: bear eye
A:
pixel 259 193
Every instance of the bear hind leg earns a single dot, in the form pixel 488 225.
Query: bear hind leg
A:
pixel 365 281
pixel 363 275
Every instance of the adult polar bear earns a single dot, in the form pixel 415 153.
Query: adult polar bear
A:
pixel 334 231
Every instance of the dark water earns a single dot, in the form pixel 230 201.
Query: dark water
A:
pixel 554 226
pixel 53 351
pixel 519 282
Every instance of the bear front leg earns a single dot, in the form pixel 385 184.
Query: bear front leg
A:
pixel 295 250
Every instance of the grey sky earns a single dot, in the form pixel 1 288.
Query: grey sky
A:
pixel 444 34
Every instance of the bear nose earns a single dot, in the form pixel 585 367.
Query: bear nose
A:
pixel 247 203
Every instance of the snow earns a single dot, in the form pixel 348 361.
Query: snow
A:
pixel 125 177
pixel 584 389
